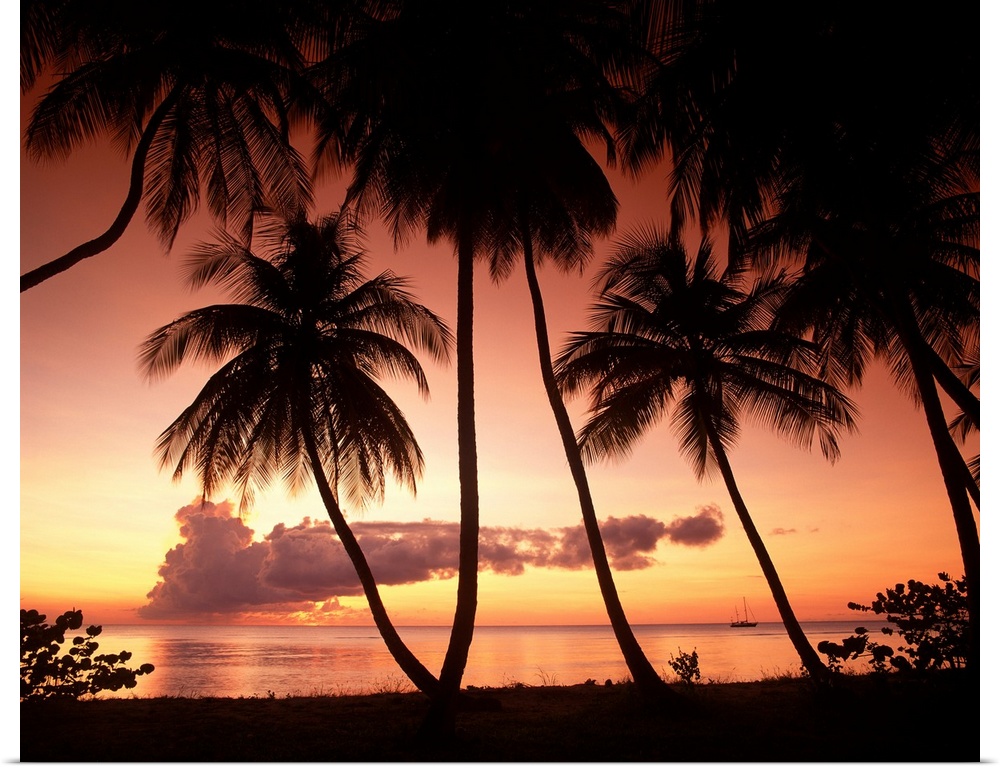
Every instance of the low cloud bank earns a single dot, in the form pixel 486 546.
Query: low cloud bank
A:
pixel 219 568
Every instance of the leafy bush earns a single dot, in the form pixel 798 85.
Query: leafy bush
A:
pixel 47 671
pixel 933 620
pixel 686 666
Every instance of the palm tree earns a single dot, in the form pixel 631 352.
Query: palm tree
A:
pixel 551 197
pixel 673 337
pixel 200 98
pixel 814 136
pixel 557 219
pixel 894 274
pixel 559 198
pixel 434 106
pixel 650 684
pixel 296 394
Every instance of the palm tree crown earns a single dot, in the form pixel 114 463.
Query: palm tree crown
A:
pixel 452 116
pixel 302 347
pixel 297 391
pixel 674 334
pixel 678 337
pixel 201 99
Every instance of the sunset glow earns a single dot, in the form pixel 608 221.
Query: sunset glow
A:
pixel 101 524
pixel 91 492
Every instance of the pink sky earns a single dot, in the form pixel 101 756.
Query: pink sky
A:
pixel 98 518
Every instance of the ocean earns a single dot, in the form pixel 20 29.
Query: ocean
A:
pixel 280 661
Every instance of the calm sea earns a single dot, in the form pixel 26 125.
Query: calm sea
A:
pixel 227 661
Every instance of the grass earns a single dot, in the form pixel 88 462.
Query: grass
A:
pixel 867 719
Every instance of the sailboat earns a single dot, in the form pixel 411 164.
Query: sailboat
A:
pixel 746 621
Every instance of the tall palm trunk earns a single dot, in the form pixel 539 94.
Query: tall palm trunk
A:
pixel 440 719
pixel 810 659
pixel 421 677
pixel 110 236
pixel 643 673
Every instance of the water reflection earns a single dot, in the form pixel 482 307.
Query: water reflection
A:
pixel 256 661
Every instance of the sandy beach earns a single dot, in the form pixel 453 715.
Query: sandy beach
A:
pixel 865 719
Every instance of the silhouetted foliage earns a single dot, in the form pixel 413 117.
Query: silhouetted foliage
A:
pixel 686 666
pixel 681 338
pixel 47 671
pixel 933 620
pixel 301 349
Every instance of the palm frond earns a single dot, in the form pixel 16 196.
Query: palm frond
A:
pixel 682 339
pixel 301 351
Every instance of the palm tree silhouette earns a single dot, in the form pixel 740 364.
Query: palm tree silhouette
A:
pixel 560 197
pixel 643 674
pixel 435 107
pixel 677 338
pixel 811 135
pixel 296 394
pixel 891 271
pixel 198 104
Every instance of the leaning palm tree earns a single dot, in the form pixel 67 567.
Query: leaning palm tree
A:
pixel 891 271
pixel 557 221
pixel 680 339
pixel 860 159
pixel 296 395
pixel 200 98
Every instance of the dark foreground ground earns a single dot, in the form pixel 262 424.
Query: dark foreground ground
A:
pixel 867 720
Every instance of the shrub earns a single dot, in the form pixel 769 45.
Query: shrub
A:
pixel 933 620
pixel 686 666
pixel 48 671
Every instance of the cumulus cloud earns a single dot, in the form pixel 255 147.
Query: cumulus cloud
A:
pixel 698 530
pixel 220 568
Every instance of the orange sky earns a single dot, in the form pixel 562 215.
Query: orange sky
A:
pixel 98 517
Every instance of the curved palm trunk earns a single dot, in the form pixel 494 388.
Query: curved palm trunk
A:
pixel 440 719
pixel 954 470
pixel 643 673
pixel 819 672
pixel 422 678
pixel 928 369
pixel 110 236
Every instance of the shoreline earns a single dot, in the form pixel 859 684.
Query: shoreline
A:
pixel 866 718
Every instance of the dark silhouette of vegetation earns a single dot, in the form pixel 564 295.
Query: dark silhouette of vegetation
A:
pixel 900 719
pixel 859 162
pixel 552 197
pixel 685 665
pixel 643 674
pixel 297 393
pixel 201 107
pixel 49 670
pixel 932 620
pixel 843 148
pixel 675 337
pixel 469 121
